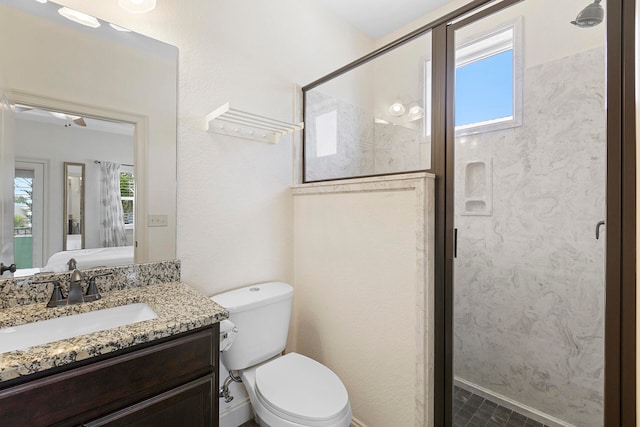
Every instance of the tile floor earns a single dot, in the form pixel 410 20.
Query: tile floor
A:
pixel 471 410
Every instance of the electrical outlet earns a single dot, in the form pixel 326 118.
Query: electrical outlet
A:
pixel 158 220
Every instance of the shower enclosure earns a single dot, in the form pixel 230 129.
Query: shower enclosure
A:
pixel 527 119
pixel 529 156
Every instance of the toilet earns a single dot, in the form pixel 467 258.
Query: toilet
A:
pixel 285 391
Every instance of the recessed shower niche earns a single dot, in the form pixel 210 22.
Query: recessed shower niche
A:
pixel 478 188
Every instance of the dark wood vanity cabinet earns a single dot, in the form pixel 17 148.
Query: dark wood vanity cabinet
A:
pixel 170 383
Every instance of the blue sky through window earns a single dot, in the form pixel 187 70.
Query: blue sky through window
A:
pixel 484 89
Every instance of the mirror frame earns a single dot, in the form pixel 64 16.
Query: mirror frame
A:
pixel 65 219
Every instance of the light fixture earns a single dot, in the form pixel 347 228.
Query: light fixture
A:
pixel 79 17
pixel 397 109
pixel 590 16
pixel 41 1
pixel 137 6
pixel 119 28
pixel 416 112
pixel 61 116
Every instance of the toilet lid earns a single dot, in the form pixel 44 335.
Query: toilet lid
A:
pixel 301 388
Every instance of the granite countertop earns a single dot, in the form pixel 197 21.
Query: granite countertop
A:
pixel 179 308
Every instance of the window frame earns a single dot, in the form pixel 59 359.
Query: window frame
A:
pixel 126 169
pixel 518 73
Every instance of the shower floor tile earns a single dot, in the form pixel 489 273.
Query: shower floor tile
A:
pixel 471 410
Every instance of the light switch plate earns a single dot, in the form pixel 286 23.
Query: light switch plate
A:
pixel 158 220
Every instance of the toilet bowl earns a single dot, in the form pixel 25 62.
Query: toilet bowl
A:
pixel 285 391
pixel 294 390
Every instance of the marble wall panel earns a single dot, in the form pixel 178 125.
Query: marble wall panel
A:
pixel 354 154
pixel 529 279
pixel 363 147
pixel 400 148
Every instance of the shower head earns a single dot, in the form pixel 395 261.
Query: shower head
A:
pixel 590 16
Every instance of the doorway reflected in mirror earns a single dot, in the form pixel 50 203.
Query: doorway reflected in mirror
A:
pixel 70 149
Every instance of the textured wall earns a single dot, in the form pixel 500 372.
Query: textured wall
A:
pixel 354 139
pixel 234 211
pixel 529 279
pixel 364 287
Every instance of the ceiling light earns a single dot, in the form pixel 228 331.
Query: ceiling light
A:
pixel 416 112
pixel 61 116
pixel 119 28
pixel 79 17
pixel 397 109
pixel 41 1
pixel 137 6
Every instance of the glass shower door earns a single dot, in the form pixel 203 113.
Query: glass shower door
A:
pixel 529 156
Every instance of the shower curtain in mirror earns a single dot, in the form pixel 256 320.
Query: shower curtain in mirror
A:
pixel 111 217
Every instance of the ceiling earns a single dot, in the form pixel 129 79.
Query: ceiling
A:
pixel 377 18
pixel 23 112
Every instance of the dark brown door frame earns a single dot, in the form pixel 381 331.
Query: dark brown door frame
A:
pixel 620 306
pixel 620 298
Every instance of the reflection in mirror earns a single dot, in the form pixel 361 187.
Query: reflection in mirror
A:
pixel 373 119
pixel 125 79
pixel 78 148
pixel 73 202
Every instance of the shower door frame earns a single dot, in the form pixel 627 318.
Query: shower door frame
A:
pixel 620 275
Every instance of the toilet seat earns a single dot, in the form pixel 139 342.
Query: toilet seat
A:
pixel 301 390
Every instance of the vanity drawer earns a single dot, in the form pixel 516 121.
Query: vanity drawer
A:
pixel 97 389
pixel 187 405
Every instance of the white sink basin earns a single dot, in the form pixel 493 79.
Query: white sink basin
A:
pixel 46 331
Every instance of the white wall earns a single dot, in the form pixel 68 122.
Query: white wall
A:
pixel 56 144
pixel 234 210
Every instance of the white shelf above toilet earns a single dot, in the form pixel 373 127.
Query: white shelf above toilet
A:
pixel 225 120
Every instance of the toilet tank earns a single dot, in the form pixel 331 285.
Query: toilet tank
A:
pixel 261 313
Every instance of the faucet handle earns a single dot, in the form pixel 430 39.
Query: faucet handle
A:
pixel 92 290
pixel 57 297
pixel 3 268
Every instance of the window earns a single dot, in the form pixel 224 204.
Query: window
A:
pixel 327 134
pixel 488 86
pixel 23 202
pixel 127 194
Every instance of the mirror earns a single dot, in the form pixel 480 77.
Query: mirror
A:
pixel 73 202
pixel 119 77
